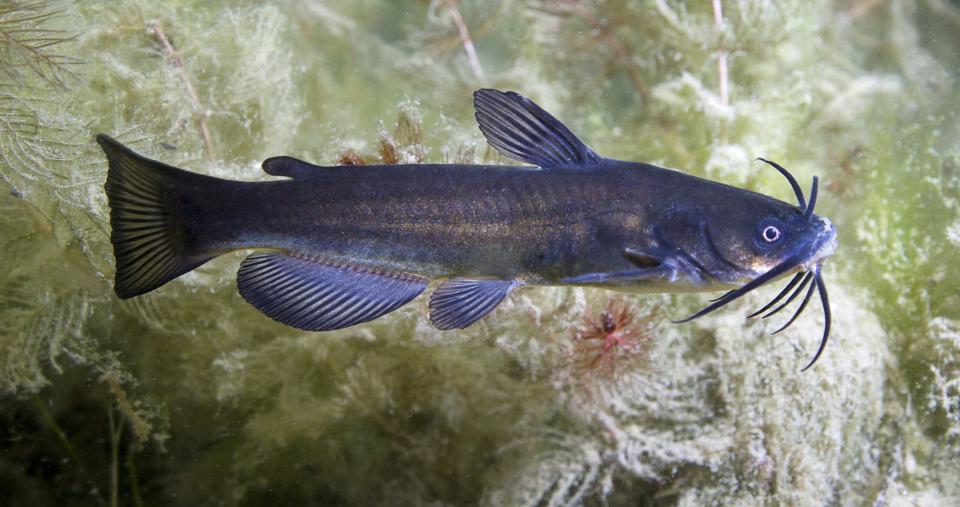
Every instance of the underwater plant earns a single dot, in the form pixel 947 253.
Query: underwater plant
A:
pixel 606 343
pixel 187 396
pixel 30 48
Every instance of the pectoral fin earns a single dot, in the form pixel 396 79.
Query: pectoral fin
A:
pixel 651 265
pixel 661 272
pixel 643 259
pixel 459 302
pixel 518 128
pixel 314 295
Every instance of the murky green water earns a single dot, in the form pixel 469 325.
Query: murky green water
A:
pixel 189 396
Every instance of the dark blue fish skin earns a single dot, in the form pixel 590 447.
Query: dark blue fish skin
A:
pixel 487 221
pixel 338 246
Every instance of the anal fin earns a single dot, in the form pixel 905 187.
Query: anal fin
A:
pixel 310 294
pixel 459 302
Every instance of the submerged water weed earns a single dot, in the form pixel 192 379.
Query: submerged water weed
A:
pixel 44 303
pixel 349 156
pixel 393 412
pixel 943 399
pixel 905 225
pixel 59 322
pixel 403 146
pixel 609 342
pixel 30 47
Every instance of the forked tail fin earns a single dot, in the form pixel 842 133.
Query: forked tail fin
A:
pixel 150 239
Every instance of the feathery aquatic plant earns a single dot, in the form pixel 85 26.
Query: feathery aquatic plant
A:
pixel 395 411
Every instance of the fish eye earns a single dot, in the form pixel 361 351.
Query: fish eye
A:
pixel 769 232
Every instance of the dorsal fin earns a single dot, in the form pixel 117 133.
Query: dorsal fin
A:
pixel 291 168
pixel 522 130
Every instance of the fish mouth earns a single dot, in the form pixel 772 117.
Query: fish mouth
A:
pixel 824 245
pixel 809 261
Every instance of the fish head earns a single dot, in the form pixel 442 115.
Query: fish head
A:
pixel 770 239
pixel 757 234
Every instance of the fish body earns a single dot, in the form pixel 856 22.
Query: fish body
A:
pixel 443 221
pixel 342 245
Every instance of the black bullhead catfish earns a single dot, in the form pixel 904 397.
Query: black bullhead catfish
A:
pixel 337 246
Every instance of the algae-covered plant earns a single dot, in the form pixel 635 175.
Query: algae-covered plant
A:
pixel 189 396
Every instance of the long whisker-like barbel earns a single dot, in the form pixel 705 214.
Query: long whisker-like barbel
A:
pixel 796 278
pixel 799 289
pixel 825 302
pixel 793 181
pixel 803 305
pixel 813 275
pixel 808 212
pixel 735 294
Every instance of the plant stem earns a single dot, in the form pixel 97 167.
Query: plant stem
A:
pixel 721 55
pixel 67 446
pixel 132 478
pixel 465 39
pixel 177 61
pixel 622 51
pixel 116 430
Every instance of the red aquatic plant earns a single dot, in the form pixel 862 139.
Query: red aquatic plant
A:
pixel 404 145
pixel 349 156
pixel 605 343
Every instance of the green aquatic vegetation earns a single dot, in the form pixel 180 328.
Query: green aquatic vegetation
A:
pixel 698 411
pixel 905 226
pixel 44 205
pixel 189 394
pixel 29 45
